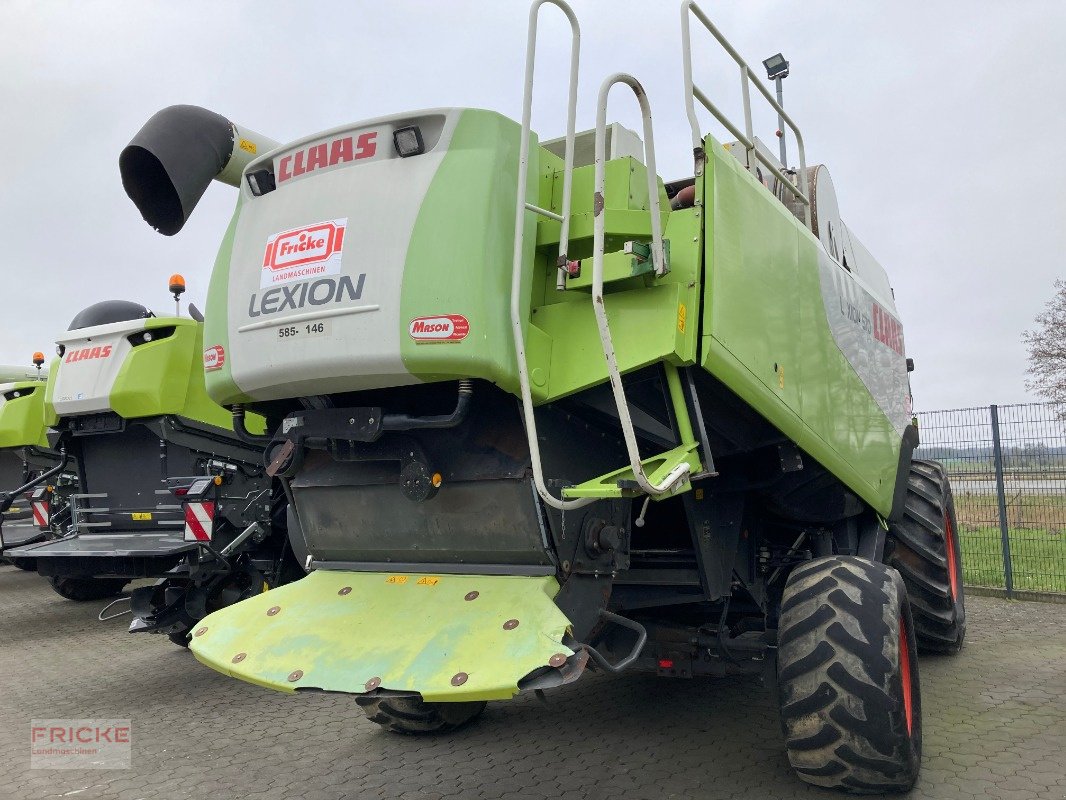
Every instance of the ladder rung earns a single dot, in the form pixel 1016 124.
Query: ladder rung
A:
pixel 544 212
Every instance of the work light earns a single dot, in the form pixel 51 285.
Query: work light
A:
pixel 776 67
pixel 408 141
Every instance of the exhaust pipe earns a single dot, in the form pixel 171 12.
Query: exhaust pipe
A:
pixel 168 165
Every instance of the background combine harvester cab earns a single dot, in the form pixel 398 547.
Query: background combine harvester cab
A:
pixel 684 447
pixel 26 514
pixel 127 399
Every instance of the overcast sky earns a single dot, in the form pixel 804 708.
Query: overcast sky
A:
pixel 942 123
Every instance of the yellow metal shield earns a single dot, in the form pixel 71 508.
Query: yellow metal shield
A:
pixel 447 637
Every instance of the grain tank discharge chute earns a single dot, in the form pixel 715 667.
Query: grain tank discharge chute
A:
pixel 682 447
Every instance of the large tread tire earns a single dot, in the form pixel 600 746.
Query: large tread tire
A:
pixel 414 716
pixel 848 677
pixel 924 548
pixel 82 589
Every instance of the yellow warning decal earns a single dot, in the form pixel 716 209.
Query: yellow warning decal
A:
pixel 428 581
pixel 401 579
pixel 248 146
pixel 141 516
pixel 681 317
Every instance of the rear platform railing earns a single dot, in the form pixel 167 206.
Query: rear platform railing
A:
pixel 523 207
pixel 747 136
pixel 678 473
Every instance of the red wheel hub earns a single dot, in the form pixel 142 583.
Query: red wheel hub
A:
pixel 905 676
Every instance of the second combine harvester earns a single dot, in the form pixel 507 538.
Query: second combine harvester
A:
pixel 682 445
pixel 165 487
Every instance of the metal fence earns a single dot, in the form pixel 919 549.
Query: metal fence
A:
pixel 1008 472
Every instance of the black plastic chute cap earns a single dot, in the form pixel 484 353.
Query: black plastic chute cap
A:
pixel 168 165
pixel 109 311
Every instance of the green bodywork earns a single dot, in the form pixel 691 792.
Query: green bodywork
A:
pixel 163 377
pixel 22 417
pixel 765 334
pixel 335 631
pixel 742 300
pixel 219 383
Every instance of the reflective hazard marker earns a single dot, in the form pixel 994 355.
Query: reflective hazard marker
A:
pixel 199 521
pixel 40 513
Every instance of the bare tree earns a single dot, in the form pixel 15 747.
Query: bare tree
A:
pixel 1047 348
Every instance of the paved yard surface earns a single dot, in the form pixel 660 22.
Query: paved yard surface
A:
pixel 995 724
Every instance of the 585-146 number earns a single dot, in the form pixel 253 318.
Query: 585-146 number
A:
pixel 303 330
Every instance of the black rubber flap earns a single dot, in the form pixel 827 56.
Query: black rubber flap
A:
pixel 169 164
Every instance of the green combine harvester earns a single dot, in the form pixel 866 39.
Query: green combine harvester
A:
pixel 537 411
pixel 25 459
pixel 166 488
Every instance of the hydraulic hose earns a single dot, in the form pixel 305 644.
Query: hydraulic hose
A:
pixel 406 422
pixel 7 498
pixel 242 431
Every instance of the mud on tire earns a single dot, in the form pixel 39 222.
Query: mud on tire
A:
pixel 413 716
pixel 924 548
pixel 848 676
pixel 87 588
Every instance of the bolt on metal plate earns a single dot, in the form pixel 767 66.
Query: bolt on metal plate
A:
pixel 345 590
pixel 459 678
pixel 557 660
pixel 373 683
pixel 237 659
pixel 295 675
pixel 200 631
pixel 471 595
pixel 510 625
pixel 273 611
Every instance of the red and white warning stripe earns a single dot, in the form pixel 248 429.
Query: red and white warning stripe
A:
pixel 40 513
pixel 199 520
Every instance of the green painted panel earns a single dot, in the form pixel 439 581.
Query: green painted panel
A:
pixel 651 318
pixel 460 254
pixel 166 377
pixel 643 328
pixel 412 632
pixel 50 416
pixel 766 334
pixel 22 418
pixel 220 384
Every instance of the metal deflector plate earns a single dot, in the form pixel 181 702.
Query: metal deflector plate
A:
pixel 447 637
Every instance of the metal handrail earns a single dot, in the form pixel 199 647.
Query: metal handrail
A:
pixel 746 137
pixel 658 259
pixel 521 207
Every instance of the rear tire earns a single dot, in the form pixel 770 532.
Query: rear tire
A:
pixel 848 677
pixel 924 548
pixel 82 589
pixel 28 564
pixel 414 716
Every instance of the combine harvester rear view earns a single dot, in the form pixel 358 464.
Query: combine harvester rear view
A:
pixel 166 488
pixel 26 459
pixel 682 446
